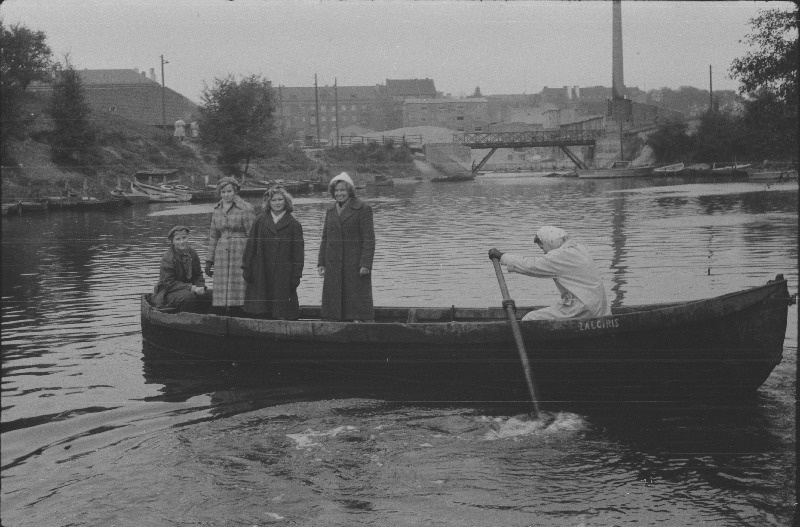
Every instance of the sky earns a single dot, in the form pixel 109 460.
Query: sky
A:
pixel 501 47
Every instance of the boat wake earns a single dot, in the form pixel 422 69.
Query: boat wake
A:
pixel 504 428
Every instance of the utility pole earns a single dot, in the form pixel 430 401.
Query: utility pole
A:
pixel 163 98
pixel 280 104
pixel 710 91
pixel 316 102
pixel 336 100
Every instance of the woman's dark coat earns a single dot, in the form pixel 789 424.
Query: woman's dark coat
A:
pixel 272 266
pixel 348 244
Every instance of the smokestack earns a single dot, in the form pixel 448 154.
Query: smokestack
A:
pixel 152 74
pixel 617 82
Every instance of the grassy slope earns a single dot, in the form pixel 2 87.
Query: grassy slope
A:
pixel 127 147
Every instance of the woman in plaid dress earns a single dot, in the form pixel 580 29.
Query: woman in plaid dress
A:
pixel 230 222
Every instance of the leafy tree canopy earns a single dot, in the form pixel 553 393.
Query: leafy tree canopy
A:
pixel 671 141
pixel 237 118
pixel 772 66
pixel 25 56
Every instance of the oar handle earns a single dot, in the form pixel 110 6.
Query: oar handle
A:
pixel 501 279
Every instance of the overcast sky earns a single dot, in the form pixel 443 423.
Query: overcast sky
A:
pixel 503 47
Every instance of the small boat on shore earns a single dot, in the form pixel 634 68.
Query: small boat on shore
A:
pixel 772 172
pixel 722 345
pixel 669 169
pixel 618 169
pixel 160 195
pixel 27 206
pixel 131 198
pixel 11 208
pixel 83 203
pixel 455 178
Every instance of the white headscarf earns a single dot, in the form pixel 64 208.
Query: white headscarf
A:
pixel 341 177
pixel 552 237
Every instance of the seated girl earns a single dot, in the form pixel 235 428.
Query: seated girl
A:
pixel 180 281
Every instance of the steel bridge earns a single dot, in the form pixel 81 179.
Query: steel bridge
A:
pixel 559 138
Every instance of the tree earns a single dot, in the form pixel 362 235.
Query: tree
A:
pixel 24 58
pixel 770 132
pixel 768 76
pixel 719 138
pixel 671 142
pixel 73 138
pixel 237 118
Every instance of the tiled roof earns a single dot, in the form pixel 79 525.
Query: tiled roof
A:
pixel 446 100
pixel 120 76
pixel 411 87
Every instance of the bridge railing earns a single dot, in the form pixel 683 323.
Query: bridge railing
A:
pixel 528 138
pixel 413 141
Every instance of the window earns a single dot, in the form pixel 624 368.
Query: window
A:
pixel 460 129
pixel 460 118
pixel 479 129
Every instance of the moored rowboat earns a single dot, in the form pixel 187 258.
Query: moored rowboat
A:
pixel 718 346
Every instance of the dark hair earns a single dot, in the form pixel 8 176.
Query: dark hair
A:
pixel 279 189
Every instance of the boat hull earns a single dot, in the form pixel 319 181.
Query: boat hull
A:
pixel 772 174
pixel 718 346
pixel 608 173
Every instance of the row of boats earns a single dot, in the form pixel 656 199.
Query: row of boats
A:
pixel 624 169
pixel 761 171
pixel 138 193
pixel 175 193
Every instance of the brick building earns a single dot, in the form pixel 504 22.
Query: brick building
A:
pixel 133 95
pixel 377 108
pixel 462 115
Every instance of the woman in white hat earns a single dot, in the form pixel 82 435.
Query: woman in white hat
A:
pixel 571 267
pixel 346 254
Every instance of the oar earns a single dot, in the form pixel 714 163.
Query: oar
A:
pixel 512 317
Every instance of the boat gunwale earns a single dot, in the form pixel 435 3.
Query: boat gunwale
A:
pixel 637 319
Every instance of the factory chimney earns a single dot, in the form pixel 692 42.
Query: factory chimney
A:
pixel 617 82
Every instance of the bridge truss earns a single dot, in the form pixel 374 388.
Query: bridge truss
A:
pixel 526 139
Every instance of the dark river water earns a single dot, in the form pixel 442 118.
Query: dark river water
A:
pixel 96 433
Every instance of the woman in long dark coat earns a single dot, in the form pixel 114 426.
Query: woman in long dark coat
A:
pixel 272 264
pixel 346 254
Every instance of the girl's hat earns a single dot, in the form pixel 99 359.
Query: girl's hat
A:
pixel 230 180
pixel 175 229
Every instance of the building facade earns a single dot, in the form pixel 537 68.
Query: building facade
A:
pixel 460 115
pixel 133 95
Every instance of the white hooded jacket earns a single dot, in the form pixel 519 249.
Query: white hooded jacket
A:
pixel 572 269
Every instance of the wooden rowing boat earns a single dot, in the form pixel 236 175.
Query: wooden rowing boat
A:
pixel 83 203
pixel 11 207
pixel 618 169
pixel 720 345
pixel 159 195
pixel 668 169
pixel 131 198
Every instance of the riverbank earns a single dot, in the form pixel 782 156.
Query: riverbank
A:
pixel 125 147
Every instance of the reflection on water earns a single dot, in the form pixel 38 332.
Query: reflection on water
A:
pixel 87 410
